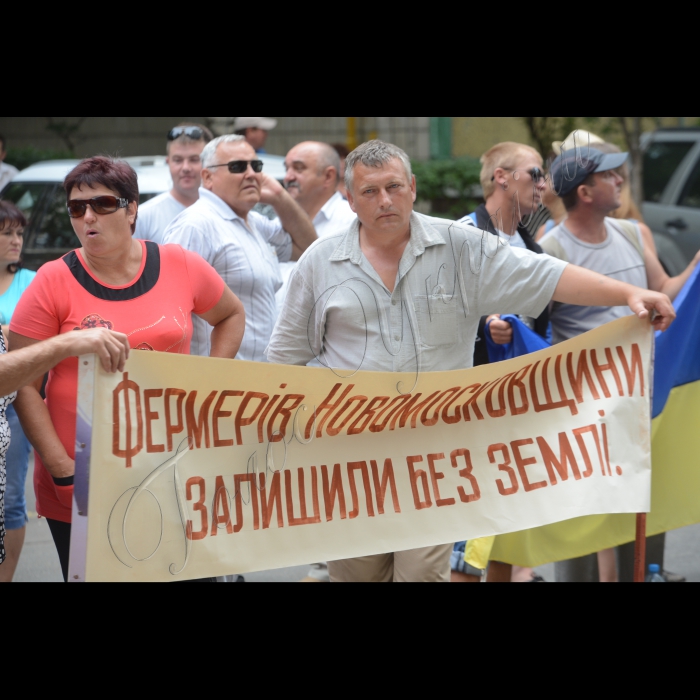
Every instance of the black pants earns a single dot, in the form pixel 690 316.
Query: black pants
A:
pixel 61 537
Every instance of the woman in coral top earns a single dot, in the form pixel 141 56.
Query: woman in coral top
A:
pixel 146 291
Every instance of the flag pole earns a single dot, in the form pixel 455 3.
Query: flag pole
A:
pixel 640 551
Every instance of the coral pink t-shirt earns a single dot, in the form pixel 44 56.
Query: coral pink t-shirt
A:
pixel 154 311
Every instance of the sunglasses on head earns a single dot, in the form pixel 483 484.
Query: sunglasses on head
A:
pixel 192 132
pixel 100 205
pixel 238 167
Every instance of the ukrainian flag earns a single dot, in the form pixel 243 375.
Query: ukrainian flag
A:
pixel 676 457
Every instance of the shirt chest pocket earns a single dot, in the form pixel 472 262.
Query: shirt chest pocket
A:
pixel 437 321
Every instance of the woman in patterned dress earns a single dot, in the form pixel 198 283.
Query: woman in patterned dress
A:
pixel 24 366
pixel 4 446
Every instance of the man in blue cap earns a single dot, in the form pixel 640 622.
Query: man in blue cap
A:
pixel 590 182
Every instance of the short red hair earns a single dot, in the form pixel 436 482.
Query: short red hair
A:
pixel 116 175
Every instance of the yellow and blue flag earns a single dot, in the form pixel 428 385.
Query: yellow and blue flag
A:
pixel 676 457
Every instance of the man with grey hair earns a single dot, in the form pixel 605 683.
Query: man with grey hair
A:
pixel 430 281
pixel 243 246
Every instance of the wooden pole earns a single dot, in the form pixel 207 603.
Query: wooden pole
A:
pixel 640 552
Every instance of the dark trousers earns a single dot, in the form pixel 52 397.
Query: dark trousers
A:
pixel 585 570
pixel 61 537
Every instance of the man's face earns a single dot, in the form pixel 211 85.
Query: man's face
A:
pixel 240 192
pixel 305 179
pixel 606 191
pixel 186 166
pixel 256 138
pixel 528 189
pixel 383 197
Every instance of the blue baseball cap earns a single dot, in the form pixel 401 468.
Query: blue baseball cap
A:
pixel 571 169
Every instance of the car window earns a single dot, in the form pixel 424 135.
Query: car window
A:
pixel 691 192
pixel 660 164
pixel 27 196
pixel 54 230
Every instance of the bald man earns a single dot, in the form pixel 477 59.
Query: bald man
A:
pixel 313 179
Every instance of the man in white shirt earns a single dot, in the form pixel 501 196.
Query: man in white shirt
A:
pixel 185 145
pixel 7 172
pixel 430 281
pixel 244 247
pixel 313 176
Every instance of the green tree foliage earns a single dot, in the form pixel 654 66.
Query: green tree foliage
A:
pixel 544 131
pixel 627 132
pixel 67 130
pixel 451 186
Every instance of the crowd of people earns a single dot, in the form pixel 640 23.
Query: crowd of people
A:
pixel 199 270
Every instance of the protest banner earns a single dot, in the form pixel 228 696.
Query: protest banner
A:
pixel 190 468
pixel 675 449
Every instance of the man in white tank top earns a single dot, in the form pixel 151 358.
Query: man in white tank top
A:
pixel 590 186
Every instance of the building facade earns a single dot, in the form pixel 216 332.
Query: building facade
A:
pixel 421 137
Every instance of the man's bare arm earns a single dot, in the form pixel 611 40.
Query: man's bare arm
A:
pixel 31 360
pixel 659 280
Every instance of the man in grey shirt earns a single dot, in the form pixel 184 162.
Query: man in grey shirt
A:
pixel 590 183
pixel 402 292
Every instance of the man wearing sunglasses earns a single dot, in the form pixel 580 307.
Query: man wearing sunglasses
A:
pixel 513 181
pixel 244 247
pixel 185 145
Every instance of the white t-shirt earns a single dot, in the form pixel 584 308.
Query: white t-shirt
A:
pixel 156 215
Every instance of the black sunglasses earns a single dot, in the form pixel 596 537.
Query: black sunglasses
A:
pixel 238 167
pixel 536 174
pixel 100 205
pixel 192 132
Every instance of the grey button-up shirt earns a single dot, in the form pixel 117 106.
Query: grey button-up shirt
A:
pixel 338 312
